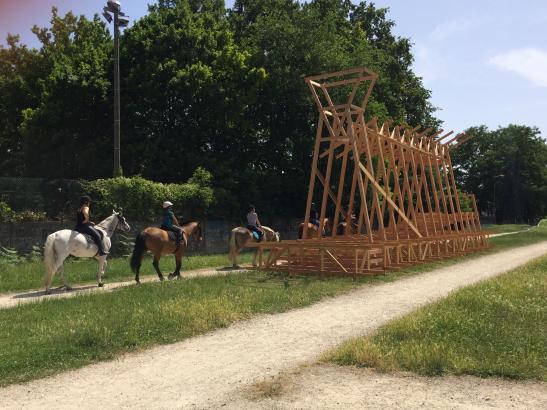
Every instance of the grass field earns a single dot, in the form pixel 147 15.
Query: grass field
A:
pixel 43 338
pixel 496 328
pixel 493 228
pixel 29 275
pixel 87 328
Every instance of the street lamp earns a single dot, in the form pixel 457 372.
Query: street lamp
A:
pixel 113 8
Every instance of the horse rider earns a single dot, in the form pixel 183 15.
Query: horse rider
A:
pixel 85 226
pixel 314 216
pixel 253 224
pixel 170 222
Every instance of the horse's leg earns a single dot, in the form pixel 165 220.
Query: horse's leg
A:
pixel 61 271
pixel 104 269
pixel 102 264
pixel 156 264
pixel 178 261
pixel 55 268
pixel 254 257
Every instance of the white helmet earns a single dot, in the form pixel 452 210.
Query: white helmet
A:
pixel 167 204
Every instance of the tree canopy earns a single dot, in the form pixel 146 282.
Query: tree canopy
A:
pixel 202 86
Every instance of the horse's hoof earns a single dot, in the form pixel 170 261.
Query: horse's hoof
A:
pixel 162 279
pixel 138 282
pixel 68 288
pixel 170 276
pixel 255 265
pixel 100 284
pixel 47 292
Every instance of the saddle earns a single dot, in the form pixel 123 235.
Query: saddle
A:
pixel 90 240
pixel 173 238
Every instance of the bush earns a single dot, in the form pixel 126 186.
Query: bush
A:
pixel 6 213
pixel 9 215
pixel 141 199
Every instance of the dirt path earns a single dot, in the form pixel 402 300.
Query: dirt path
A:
pixel 9 300
pixel 216 369
pixel 334 387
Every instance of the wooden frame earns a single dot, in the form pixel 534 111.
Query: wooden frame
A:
pixel 395 184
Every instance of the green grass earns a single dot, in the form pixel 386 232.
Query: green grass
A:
pixel 53 335
pixel 496 328
pixel 494 228
pixel 43 338
pixel 29 275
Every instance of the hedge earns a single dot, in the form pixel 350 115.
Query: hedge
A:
pixel 141 199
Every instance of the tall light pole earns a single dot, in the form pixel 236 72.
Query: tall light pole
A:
pixel 113 8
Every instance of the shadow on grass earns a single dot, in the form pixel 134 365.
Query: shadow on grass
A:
pixel 56 291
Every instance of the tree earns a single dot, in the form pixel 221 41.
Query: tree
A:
pixel 67 134
pixel 507 170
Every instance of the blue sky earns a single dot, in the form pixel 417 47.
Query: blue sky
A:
pixel 485 61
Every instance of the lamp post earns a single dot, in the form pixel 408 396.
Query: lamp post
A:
pixel 113 8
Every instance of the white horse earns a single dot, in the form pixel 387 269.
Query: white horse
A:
pixel 59 245
pixel 239 237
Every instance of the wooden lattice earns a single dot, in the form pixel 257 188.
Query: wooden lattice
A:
pixel 393 186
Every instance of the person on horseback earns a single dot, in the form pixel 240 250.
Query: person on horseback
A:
pixel 170 222
pixel 85 226
pixel 314 216
pixel 253 224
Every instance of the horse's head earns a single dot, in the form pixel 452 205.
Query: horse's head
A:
pixel 121 222
pixel 198 231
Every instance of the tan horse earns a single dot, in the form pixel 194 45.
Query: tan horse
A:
pixel 157 241
pixel 240 237
pixel 312 229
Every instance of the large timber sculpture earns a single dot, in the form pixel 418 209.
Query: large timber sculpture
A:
pixel 393 187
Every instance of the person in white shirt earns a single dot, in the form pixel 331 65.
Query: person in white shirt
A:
pixel 253 224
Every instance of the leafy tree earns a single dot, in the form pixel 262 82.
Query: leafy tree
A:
pixel 507 170
pixel 68 132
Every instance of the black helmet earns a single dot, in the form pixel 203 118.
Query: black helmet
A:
pixel 85 200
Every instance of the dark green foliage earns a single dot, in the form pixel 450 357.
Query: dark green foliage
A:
pixel 201 86
pixel 508 166
pixel 140 199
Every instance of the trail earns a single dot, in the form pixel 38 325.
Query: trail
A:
pixel 9 300
pixel 217 369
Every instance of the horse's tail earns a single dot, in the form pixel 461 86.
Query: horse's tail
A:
pixel 232 245
pixel 50 259
pixel 138 252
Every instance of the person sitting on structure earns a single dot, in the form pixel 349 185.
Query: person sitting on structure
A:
pixel 253 224
pixel 170 222
pixel 85 226
pixel 314 216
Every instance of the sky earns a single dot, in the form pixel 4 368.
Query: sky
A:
pixel 485 61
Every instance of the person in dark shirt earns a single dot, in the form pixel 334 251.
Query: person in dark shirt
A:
pixel 85 226
pixel 170 222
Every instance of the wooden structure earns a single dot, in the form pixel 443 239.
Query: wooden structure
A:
pixel 395 186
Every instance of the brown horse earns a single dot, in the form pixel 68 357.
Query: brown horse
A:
pixel 239 238
pixel 157 241
pixel 351 227
pixel 312 229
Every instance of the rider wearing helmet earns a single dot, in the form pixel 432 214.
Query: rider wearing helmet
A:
pixel 170 222
pixel 85 226
pixel 314 216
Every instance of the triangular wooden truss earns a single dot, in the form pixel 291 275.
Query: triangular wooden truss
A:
pixel 394 186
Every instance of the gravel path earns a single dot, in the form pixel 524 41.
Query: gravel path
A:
pixel 9 300
pixel 216 369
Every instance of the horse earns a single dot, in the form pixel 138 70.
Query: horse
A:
pixel 343 226
pixel 240 236
pixel 59 245
pixel 312 229
pixel 157 241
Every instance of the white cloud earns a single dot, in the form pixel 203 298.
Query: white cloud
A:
pixel 529 63
pixel 451 28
